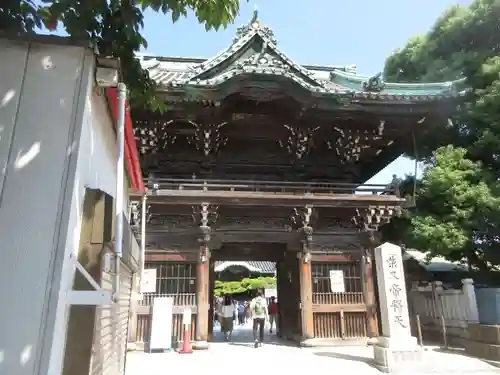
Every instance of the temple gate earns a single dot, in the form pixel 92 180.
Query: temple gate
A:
pixel 260 158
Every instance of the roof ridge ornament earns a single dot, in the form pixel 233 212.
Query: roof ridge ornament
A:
pixel 255 25
pixel 374 83
pixel 255 17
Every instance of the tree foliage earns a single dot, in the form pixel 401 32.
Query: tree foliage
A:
pixel 457 211
pixel 114 27
pixel 243 286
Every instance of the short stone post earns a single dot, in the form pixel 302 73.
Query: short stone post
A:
pixel 396 345
pixel 437 313
pixel 470 296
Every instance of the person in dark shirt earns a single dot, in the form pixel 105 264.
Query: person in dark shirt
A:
pixel 273 314
pixel 241 313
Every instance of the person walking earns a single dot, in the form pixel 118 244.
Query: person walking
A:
pixel 235 315
pixel 227 317
pixel 220 305
pixel 216 310
pixel 273 314
pixel 248 312
pixel 241 313
pixel 260 316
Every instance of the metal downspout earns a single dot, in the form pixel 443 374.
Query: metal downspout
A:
pixel 120 142
pixel 143 239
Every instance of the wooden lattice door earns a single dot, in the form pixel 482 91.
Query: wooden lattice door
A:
pixel 337 313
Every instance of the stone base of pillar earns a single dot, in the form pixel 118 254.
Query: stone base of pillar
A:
pixel 329 343
pixel 200 345
pixel 391 354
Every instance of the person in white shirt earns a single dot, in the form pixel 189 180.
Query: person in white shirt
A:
pixel 228 317
pixel 258 306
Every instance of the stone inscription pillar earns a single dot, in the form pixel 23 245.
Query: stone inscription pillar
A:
pixel 396 345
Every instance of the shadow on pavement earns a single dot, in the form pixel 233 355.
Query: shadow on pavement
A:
pixel 250 343
pixel 347 357
pixel 243 336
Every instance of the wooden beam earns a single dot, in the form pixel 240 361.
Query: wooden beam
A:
pixel 172 257
pixel 337 308
pixel 344 257
pixel 195 197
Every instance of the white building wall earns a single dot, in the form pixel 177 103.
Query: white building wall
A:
pixel 56 139
pixel 96 169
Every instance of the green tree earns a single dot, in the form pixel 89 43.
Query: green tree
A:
pixel 457 210
pixel 244 285
pixel 114 27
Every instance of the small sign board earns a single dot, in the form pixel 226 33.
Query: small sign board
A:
pixel 268 293
pixel 186 317
pixel 337 281
pixel 161 324
pixel 148 282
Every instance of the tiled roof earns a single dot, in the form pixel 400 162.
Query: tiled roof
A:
pixel 434 264
pixel 240 58
pixel 254 266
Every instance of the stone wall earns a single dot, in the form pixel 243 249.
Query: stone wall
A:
pixel 488 304
pixel 484 341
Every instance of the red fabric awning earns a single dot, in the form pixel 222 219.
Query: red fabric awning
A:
pixel 132 163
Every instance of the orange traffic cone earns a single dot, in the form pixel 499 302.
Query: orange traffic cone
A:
pixel 186 344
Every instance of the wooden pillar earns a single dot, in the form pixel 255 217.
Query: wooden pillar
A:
pixel 281 294
pixel 203 280
pixel 211 288
pixel 283 299
pixel 369 292
pixel 306 296
pixel 202 295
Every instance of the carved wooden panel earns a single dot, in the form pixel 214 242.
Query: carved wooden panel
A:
pixel 255 222
pixel 300 141
pixel 207 137
pixel 339 257
pixel 169 222
pixel 262 146
pixel 153 136
pixel 333 243
pixel 334 224
pixel 349 144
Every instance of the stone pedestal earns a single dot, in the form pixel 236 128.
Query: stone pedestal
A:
pixel 390 354
pixel 396 347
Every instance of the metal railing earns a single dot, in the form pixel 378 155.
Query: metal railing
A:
pixel 278 187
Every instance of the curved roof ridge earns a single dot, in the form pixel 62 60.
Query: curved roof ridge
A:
pixel 199 80
pixel 224 265
pixel 238 44
pixel 360 77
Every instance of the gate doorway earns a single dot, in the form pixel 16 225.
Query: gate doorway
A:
pixel 257 259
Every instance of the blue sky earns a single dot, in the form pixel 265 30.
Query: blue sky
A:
pixel 326 32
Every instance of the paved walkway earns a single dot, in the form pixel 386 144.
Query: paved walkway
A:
pixel 276 354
